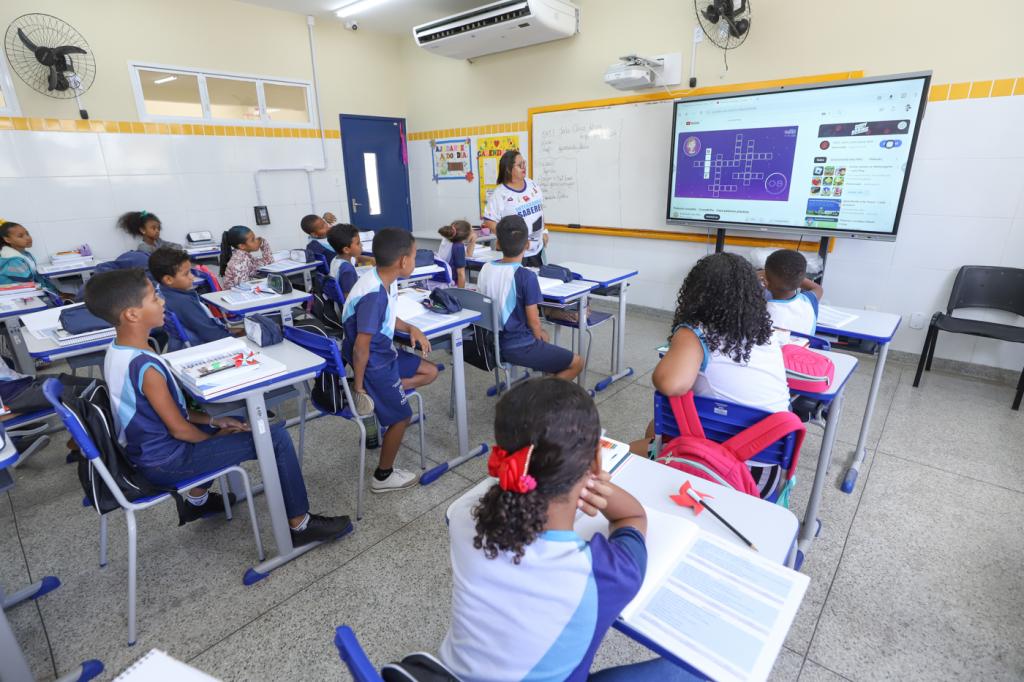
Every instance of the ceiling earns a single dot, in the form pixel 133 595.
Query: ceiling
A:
pixel 394 16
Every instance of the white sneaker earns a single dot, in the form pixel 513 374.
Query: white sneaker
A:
pixel 400 479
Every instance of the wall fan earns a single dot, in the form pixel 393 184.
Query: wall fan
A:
pixel 726 23
pixel 51 57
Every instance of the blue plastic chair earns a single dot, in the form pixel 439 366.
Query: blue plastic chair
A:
pixel 721 420
pixel 179 336
pixel 326 348
pixel 362 670
pixel 352 654
pixel 322 266
pixel 52 389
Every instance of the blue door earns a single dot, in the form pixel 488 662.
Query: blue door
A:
pixel 376 171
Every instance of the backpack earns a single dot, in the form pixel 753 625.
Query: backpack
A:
pixel 725 463
pixel 478 348
pixel 807 370
pixel 322 309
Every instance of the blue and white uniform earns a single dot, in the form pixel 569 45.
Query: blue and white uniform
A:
pixel 541 619
pixel 452 253
pixel 797 314
pixel 527 203
pixel 195 317
pixel 319 247
pixel 344 271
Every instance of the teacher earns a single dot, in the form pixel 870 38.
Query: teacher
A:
pixel 517 194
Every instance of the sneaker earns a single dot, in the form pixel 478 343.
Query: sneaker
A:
pixel 363 403
pixel 322 529
pixel 400 479
pixel 214 505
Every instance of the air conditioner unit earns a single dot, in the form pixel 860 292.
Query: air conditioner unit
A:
pixel 499 26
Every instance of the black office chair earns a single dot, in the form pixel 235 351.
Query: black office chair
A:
pixel 979 286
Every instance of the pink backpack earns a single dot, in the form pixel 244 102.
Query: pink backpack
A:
pixel 807 370
pixel 725 463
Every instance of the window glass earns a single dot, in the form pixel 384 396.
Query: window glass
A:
pixel 170 94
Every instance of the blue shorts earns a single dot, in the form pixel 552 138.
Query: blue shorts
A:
pixel 539 355
pixel 384 384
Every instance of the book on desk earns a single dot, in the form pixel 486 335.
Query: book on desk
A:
pixel 213 369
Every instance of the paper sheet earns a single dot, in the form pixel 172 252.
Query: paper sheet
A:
pixel 830 317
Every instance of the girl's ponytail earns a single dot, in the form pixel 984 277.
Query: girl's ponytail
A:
pixel 447 231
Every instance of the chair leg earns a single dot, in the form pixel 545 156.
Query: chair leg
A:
pixel 252 516
pixel 451 399
pixel 224 488
pixel 132 560
pixel 362 469
pixel 303 402
pixel 423 446
pixel 924 355
pixel 554 337
pixel 931 350
pixel 103 540
pixel 1020 391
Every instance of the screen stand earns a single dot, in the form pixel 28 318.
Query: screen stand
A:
pixel 823 253
pixel 719 240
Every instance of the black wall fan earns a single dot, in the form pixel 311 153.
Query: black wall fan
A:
pixel 726 23
pixel 51 57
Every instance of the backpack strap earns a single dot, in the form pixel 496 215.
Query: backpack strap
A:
pixel 685 411
pixel 757 437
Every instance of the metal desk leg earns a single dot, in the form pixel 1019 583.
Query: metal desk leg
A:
pixel 850 480
pixel 811 524
pixel 584 340
pixel 618 343
pixel 257 410
pixel 15 667
pixel 286 317
pixel 23 362
pixel 461 422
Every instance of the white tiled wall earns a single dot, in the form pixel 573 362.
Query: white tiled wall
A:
pixel 69 188
pixel 964 206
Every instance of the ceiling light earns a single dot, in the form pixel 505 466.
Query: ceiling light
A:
pixel 168 79
pixel 357 7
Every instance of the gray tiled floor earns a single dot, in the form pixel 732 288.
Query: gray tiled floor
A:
pixel 915 576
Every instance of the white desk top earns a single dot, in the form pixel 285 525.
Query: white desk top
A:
pixel 567 291
pixel 8 454
pixel 67 268
pixel 600 274
pixel 873 325
pixel 21 306
pixel 769 526
pixel 288 266
pixel 48 349
pixel 845 365
pixel 263 303
pixel 485 257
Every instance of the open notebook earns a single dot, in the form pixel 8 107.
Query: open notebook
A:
pixel 157 666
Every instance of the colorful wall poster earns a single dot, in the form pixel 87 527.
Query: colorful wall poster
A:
pixel 452 160
pixel 488 152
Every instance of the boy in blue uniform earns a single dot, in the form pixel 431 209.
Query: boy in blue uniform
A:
pixel 344 239
pixel 317 227
pixel 380 372
pixel 161 437
pixel 792 296
pixel 172 269
pixel 523 341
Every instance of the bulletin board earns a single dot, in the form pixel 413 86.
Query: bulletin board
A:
pixel 453 159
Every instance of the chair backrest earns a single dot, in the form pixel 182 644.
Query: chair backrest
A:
pixel 986 286
pixel 209 280
pixel 352 654
pixel 176 330
pixel 320 345
pixel 443 277
pixel 322 266
pixel 332 291
pixel 490 315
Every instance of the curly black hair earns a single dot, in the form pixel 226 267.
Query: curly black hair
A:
pixel 561 421
pixel 723 296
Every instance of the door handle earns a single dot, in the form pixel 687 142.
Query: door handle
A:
pixel 355 204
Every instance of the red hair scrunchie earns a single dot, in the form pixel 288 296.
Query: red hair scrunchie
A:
pixel 510 468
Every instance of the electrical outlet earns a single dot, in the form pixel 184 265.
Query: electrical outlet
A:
pixel 917 320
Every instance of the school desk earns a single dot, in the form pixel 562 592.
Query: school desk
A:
pixel 289 267
pixel 573 295
pixel 83 269
pixel 277 303
pixel 49 350
pixel 11 317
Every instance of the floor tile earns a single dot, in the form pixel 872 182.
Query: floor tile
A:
pixel 787 666
pixel 812 672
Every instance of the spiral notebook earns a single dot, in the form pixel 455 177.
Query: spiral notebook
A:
pixel 157 666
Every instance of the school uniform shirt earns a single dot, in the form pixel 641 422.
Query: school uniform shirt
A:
pixel 140 430
pixel 797 314
pixel 370 309
pixel 318 247
pixel 147 249
pixel 527 203
pixel 193 315
pixel 344 272
pixel 452 253
pixel 759 383
pixel 513 287
pixel 541 619
pixel 245 265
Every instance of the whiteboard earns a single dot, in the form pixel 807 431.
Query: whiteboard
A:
pixel 606 166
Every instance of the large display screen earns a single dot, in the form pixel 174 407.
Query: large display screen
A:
pixel 830 159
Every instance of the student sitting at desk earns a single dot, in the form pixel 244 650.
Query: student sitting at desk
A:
pixel 17 264
pixel 381 372
pixel 794 297
pixel 160 435
pixel 172 269
pixel 457 242
pixel 145 226
pixel 242 254
pixel 344 239
pixel 530 598
pixel 523 341
pixel 316 229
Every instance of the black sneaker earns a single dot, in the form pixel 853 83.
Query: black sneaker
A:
pixel 322 529
pixel 214 505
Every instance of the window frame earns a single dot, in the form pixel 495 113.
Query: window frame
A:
pixel 11 105
pixel 204 97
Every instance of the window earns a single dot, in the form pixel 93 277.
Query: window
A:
pixel 170 94
pixel 8 100
pixel 372 185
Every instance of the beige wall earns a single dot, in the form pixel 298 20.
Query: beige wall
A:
pixel 789 38
pixel 359 73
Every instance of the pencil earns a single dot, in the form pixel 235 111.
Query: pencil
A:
pixel 720 518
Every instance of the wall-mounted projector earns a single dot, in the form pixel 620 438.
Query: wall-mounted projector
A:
pixel 633 72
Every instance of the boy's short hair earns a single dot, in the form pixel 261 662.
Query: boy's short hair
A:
pixel 341 236
pixel 165 261
pixel 390 244
pixel 108 294
pixel 787 266
pixel 308 223
pixel 512 235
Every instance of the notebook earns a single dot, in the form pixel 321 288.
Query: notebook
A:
pixel 831 317
pixel 196 367
pixel 157 666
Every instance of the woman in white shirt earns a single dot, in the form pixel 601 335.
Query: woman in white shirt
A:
pixel 517 194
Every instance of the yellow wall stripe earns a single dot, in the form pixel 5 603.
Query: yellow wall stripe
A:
pixel 666 235
pixel 488 129
pixel 138 128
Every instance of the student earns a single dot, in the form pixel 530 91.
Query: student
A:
pixel 457 242
pixel 382 374
pixel 530 598
pixel 17 264
pixel 172 269
pixel 161 436
pixel 344 239
pixel 523 341
pixel 316 228
pixel 242 254
pixel 145 226
pixel 794 298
